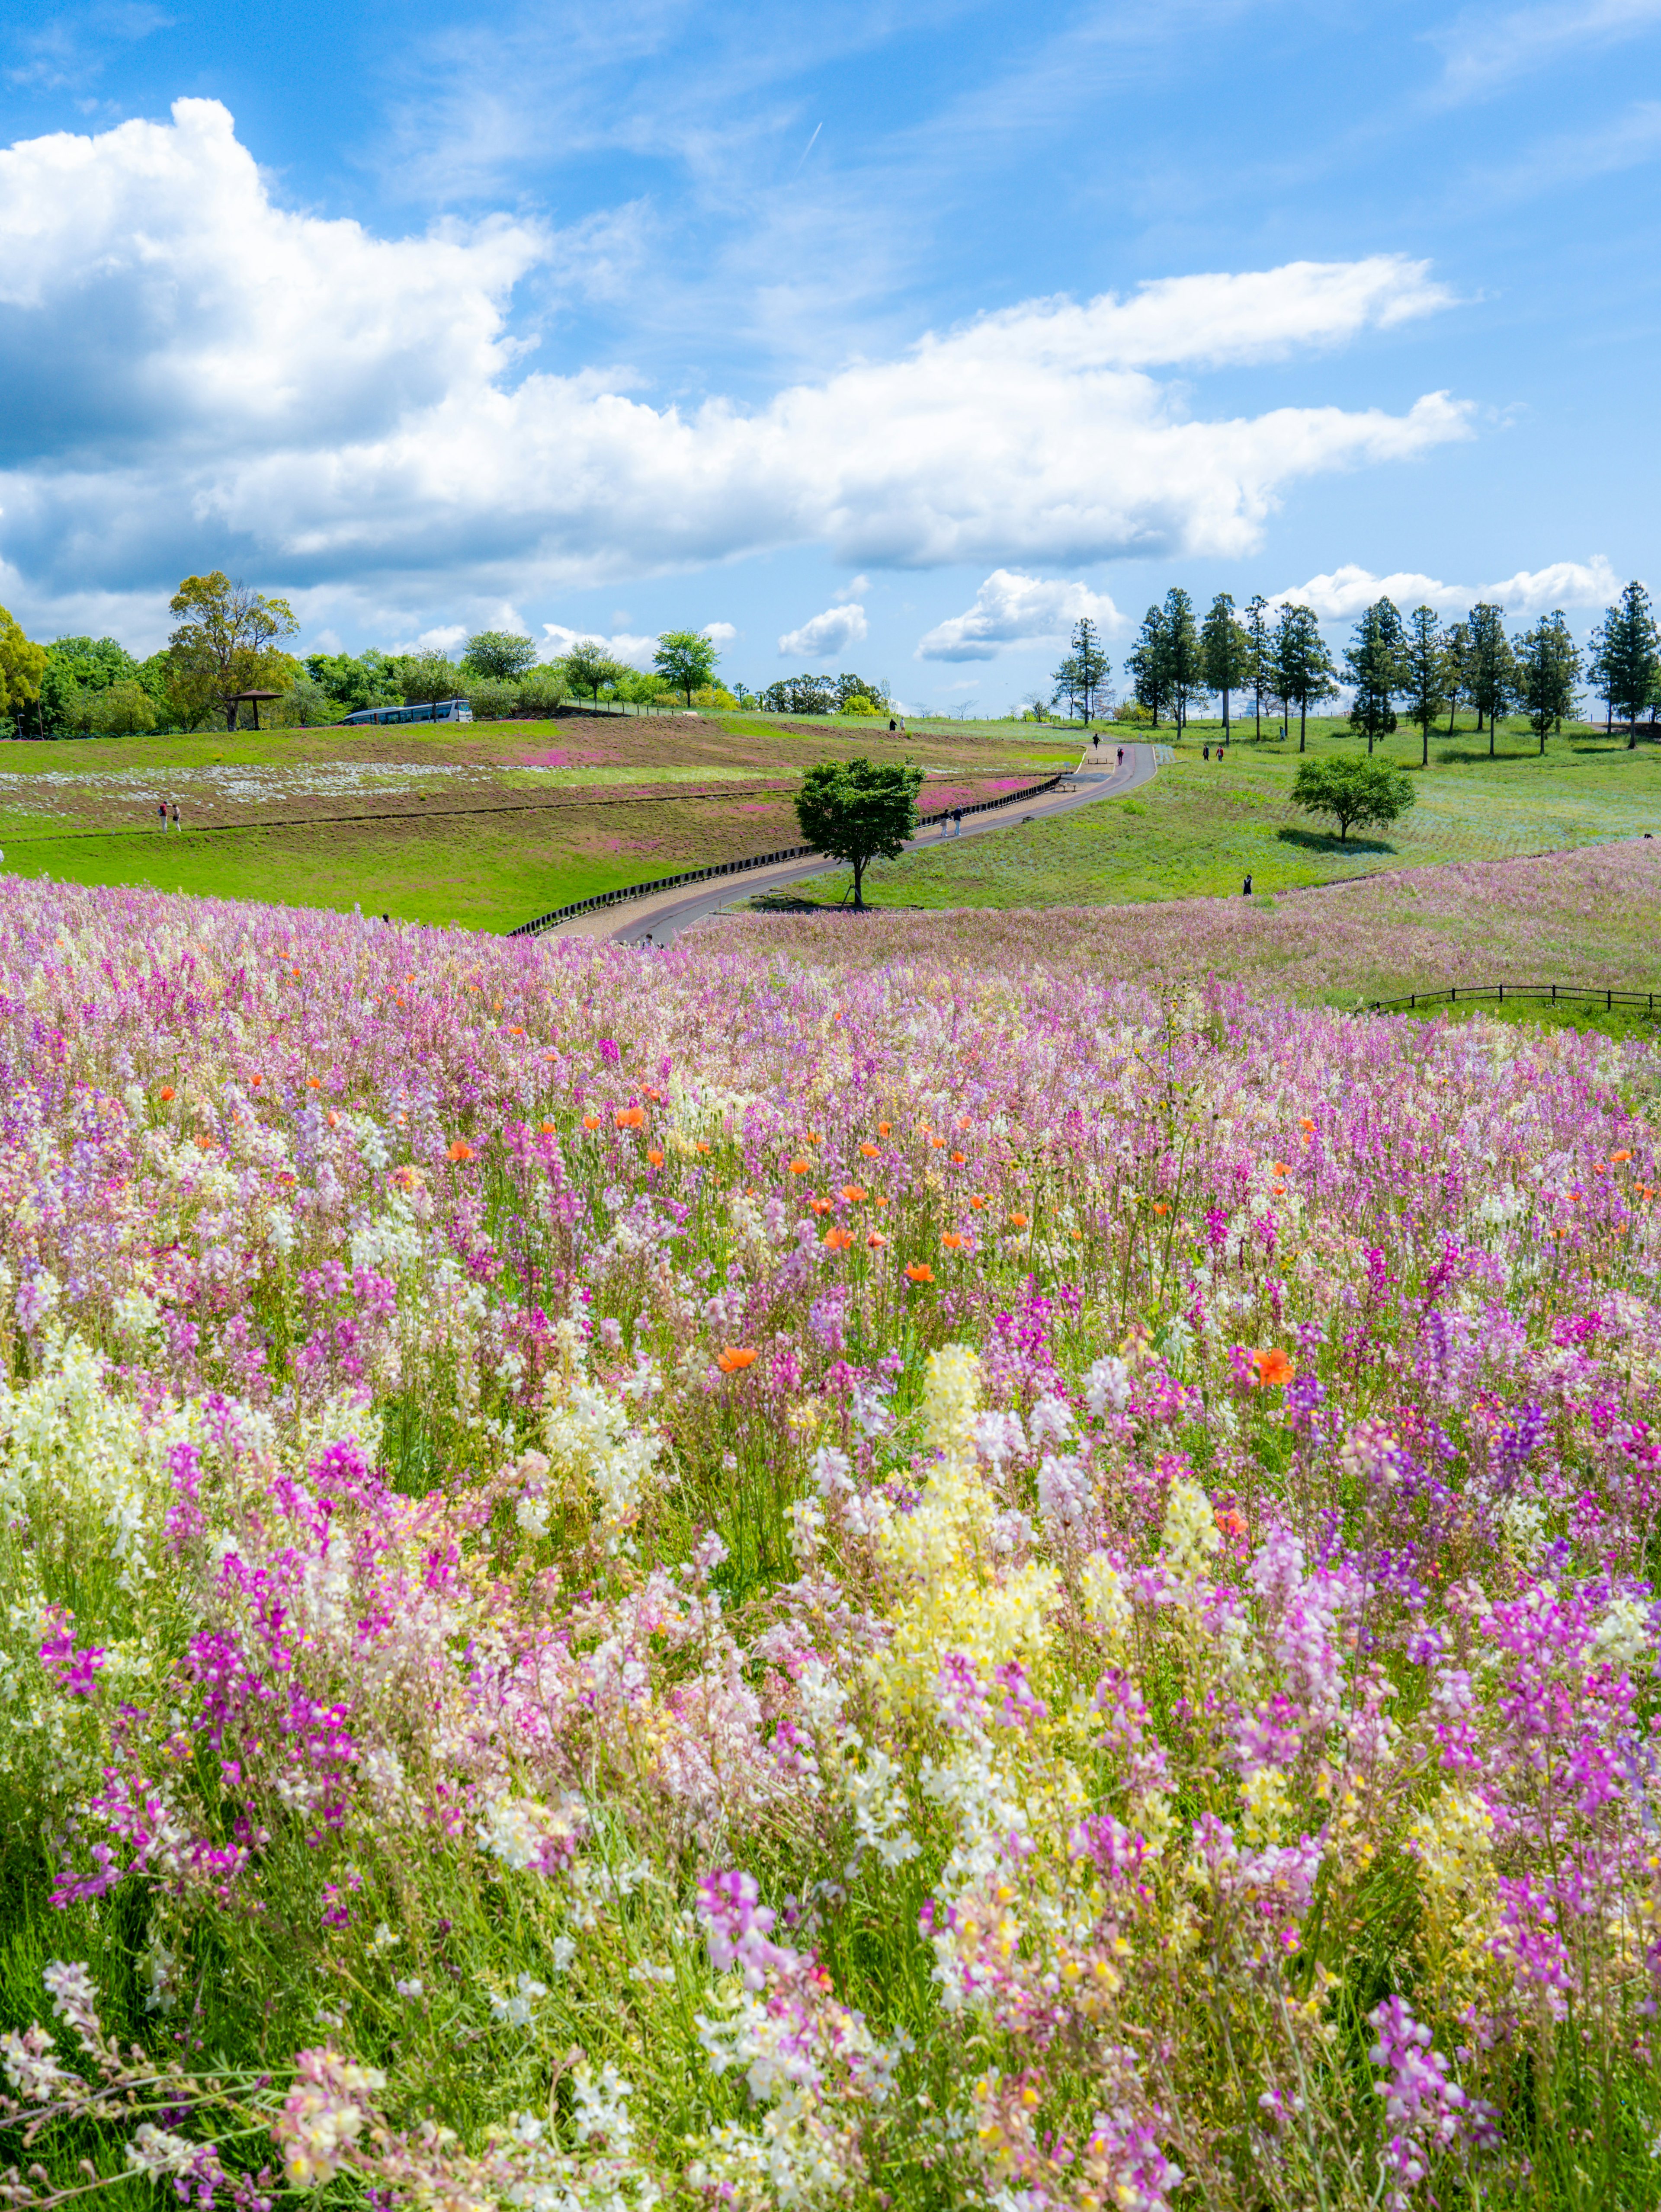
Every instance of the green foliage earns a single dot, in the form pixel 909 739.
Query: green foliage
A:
pixel 499 655
pixel 226 642
pixel 1226 657
pixel 1547 673
pixel 1625 662
pixel 367 680
pixel 1083 673
pixel 425 676
pixel 686 659
pixel 857 703
pixel 21 666
pixel 533 696
pixel 1426 675
pixel 851 688
pixel 121 710
pixel 859 811
pixel 1359 792
pixel 1147 664
pixel 1301 670
pixel 1375 659
pixel 1492 666
pixel 589 667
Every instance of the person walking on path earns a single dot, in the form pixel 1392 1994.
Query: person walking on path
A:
pixel 957 822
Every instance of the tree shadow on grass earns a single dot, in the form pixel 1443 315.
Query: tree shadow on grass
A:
pixel 1328 841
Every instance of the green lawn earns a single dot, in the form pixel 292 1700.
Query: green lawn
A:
pixel 1202 827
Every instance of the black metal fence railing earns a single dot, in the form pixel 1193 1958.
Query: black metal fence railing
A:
pixel 1551 993
pixel 625 892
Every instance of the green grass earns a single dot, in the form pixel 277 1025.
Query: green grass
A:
pixel 1202 827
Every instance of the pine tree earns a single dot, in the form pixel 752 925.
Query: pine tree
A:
pixel 1261 648
pixel 1147 664
pixel 1625 661
pixel 1373 659
pixel 1493 669
pixel 1426 676
pixel 1225 653
pixel 1455 650
pixel 1184 670
pixel 1303 668
pixel 1548 672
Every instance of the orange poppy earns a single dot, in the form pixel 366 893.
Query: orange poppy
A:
pixel 868 1152
pixel 655 1158
pixel 702 1147
pixel 1274 1369
pixel 1161 1206
pixel 799 1167
pixel 961 1159
pixel 952 1240
pixel 837 1240
pixel 1280 1167
pixel 313 1083
pixel 884 1129
pixel 850 1193
pixel 1231 1522
pixel 1018 1220
pixel 334 1119
pixel 547 1130
pixel 735 1359
pixel 939 1143
pixel 166 1092
pixel 921 1272
pixel 655 1095
pixel 631 1117
pixel 979 1204
pixel 460 1149
pixel 591 1120
pixel 1614 1157
pixel 819 1205
pixel 876 1239
pixel 1306 1122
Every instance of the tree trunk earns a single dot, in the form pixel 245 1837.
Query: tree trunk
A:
pixel 1453 708
pixel 1492 718
pixel 1424 750
pixel 1303 721
pixel 859 881
pixel 1225 713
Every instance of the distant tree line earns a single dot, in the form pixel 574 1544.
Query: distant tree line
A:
pixel 821 694
pixel 229 643
pixel 1418 665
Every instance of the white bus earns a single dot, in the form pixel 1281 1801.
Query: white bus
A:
pixel 434 710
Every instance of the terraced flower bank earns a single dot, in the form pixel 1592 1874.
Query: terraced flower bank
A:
pixel 639 1577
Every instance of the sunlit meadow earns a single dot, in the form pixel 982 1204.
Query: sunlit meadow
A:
pixel 680 1578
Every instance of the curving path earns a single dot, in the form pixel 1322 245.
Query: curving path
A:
pixel 664 916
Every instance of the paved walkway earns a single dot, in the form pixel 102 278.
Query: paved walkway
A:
pixel 664 914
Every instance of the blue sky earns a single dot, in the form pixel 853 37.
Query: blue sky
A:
pixel 880 337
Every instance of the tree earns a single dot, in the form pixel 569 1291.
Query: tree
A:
pixel 1301 668
pixel 425 676
pixel 1425 675
pixel 118 710
pixel 686 659
pixel 1492 670
pixel 851 688
pixel 1184 670
pixel 21 667
pixel 587 666
pixel 1624 658
pixel 499 655
pixel 307 704
pixel 1225 653
pixel 77 667
pixel 1084 672
pixel 1456 652
pixel 1361 791
pixel 1547 673
pixel 1373 658
pixel 802 695
pixel 1260 645
pixel 226 641
pixel 1147 663
pixel 368 680
pixel 858 811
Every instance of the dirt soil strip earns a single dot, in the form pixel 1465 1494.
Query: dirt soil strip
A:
pixel 417 814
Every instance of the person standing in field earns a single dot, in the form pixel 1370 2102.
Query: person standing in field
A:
pixel 176 814
pixel 162 811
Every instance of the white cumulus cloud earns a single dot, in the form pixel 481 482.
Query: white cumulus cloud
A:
pixel 632 652
pixel 824 635
pixel 1011 608
pixel 720 634
pixel 195 374
pixel 1348 590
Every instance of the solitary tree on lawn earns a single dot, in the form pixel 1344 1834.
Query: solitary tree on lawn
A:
pixel 1225 653
pixel 1547 674
pixel 1373 659
pixel 226 639
pixel 1084 672
pixel 859 811
pixel 1425 674
pixel 686 659
pixel 499 655
pixel 1353 792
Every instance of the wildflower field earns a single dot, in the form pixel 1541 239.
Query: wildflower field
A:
pixel 680 1578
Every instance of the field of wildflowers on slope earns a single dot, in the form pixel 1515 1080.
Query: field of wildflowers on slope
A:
pixel 671 1577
